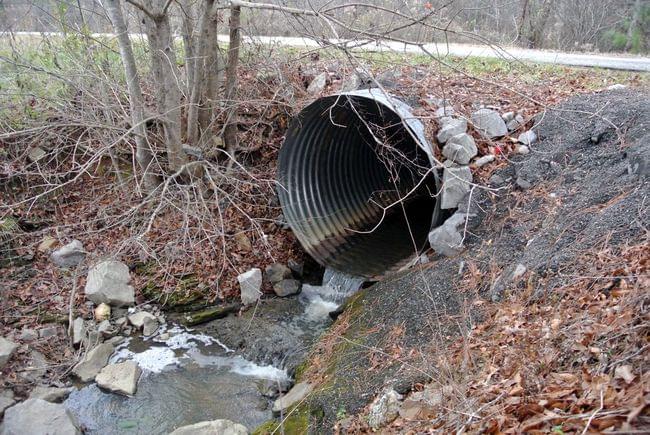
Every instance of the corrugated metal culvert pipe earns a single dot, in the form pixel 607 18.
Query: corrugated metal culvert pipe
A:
pixel 357 184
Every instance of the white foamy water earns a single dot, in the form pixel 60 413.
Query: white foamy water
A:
pixel 239 365
pixel 156 358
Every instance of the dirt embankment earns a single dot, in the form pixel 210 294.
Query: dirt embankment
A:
pixel 553 283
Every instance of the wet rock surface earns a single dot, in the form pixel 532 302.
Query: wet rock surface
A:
pixel 36 416
pixel 119 378
pixel 220 427
pixel 7 348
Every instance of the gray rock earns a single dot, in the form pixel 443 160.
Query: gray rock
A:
pixel 523 183
pixel 527 138
pixel 69 255
pixel 51 394
pixel 384 409
pixel 444 111
pixel 318 84
pixel 296 267
pixel 108 283
pixel 451 128
pixel 287 287
pixel 95 360
pixel 36 367
pixel 519 271
pixel 508 116
pixel 250 284
pixel 36 416
pixel 276 272
pixel 35 154
pixel 7 349
pixel 515 123
pixel 446 239
pixel 120 322
pixel 139 318
pixel 214 427
pixel 105 329
pixel 522 149
pixel 78 330
pixel 295 395
pixel 48 331
pixel 6 400
pixel 496 181
pixel 421 405
pixel 120 378
pixel 356 79
pixel 489 123
pixel 150 327
pixel 484 160
pixel 460 148
pixel 389 78
pixel 28 334
pixel 616 86
pixel 455 185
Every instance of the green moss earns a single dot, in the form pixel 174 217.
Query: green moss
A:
pixel 186 296
pixel 209 314
pixel 297 423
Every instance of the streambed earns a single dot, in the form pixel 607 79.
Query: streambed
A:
pixel 229 368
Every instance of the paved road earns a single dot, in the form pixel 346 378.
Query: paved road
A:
pixel 619 62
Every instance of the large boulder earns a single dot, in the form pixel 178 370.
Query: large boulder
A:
pixel 455 185
pixel 451 127
pixel 7 349
pixel 250 284
pixel 120 378
pixel 36 416
pixel 108 283
pixel 69 255
pixel 287 287
pixel 93 362
pixel 318 84
pixel 446 239
pixel 276 272
pixel 460 148
pixel 214 427
pixel 489 123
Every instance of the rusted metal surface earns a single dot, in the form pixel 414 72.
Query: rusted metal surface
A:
pixel 356 182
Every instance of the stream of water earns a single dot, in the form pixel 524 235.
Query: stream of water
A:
pixel 189 376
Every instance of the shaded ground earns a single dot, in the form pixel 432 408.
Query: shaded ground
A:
pixel 578 226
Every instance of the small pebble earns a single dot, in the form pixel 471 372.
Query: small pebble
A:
pixel 484 160
pixel 522 149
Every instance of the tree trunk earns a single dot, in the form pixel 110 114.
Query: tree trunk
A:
pixel 634 22
pixel 166 85
pixel 213 68
pixel 144 155
pixel 207 76
pixel 230 127
pixel 539 26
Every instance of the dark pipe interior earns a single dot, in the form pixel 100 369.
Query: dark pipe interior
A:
pixel 335 178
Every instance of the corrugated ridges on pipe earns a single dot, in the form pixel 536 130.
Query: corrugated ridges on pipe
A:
pixel 345 159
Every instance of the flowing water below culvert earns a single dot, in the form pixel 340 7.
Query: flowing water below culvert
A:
pixel 191 376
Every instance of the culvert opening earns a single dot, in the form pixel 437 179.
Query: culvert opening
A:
pixel 356 183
